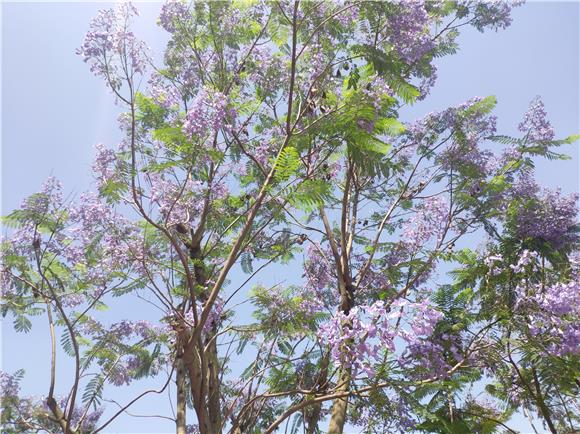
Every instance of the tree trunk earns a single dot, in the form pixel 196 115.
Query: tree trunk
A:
pixel 192 361
pixel 340 405
pixel 544 410
pixel 180 420
pixel 213 388
pixel 312 417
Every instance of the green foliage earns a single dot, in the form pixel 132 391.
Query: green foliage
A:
pixel 150 114
pixel 93 392
pixel 286 164
pixel 310 194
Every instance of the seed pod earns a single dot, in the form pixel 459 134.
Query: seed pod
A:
pixel 181 228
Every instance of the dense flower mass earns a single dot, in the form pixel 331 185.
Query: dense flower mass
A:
pixel 427 223
pixel 495 14
pixel 208 114
pixel 22 412
pixel 545 214
pixel 173 14
pixel 408 31
pixel 468 125
pixel 111 48
pixel 552 314
pixel 270 140
pixel 359 338
pixel 104 165
pixel 535 124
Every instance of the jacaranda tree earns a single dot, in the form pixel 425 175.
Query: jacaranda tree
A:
pixel 316 262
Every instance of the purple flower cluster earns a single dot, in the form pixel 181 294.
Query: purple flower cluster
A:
pixel 213 320
pixel 535 124
pixel 48 198
pixel 432 357
pixel 324 10
pixel 548 216
pixel 105 165
pixel 266 68
pixel 358 338
pixel 527 259
pixel 495 14
pixel 409 30
pixel 177 203
pixel 428 222
pixel 491 262
pixel 163 93
pixel 209 113
pixel 38 208
pixel 319 273
pixel 88 240
pixel 376 90
pixel 120 243
pixel 111 48
pixel 471 125
pixel 9 385
pixel 123 371
pixel 90 420
pixel 129 329
pixel 173 14
pixel 22 411
pixel 553 315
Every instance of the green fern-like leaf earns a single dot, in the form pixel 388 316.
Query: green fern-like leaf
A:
pixel 286 164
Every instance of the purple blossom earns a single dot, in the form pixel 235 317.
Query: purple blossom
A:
pixel 473 124
pixel 491 262
pixel 494 14
pixel 547 216
pixel 111 48
pixel 377 90
pixel 174 14
pixel 265 69
pixel 163 93
pixel 409 30
pixel 141 329
pixel 552 314
pixel 208 114
pixel 213 320
pixel 9 384
pixel 535 124
pixel 428 222
pixel 358 339
pixel 177 203
pixel 105 165
pixel 48 199
pixel 526 258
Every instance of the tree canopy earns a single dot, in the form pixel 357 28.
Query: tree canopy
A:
pixel 420 279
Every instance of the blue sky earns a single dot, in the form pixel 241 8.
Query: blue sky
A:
pixel 54 111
